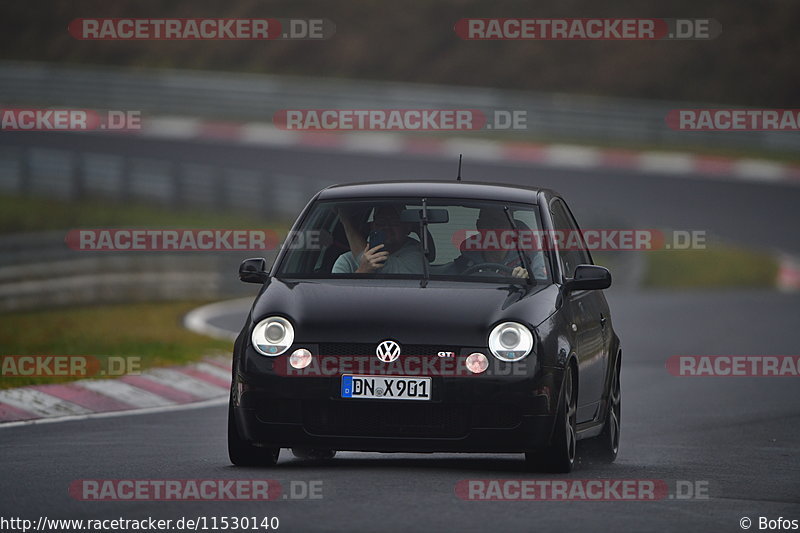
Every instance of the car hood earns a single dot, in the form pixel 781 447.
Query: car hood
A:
pixel 443 313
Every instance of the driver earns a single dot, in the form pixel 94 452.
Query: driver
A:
pixel 494 219
pixel 399 254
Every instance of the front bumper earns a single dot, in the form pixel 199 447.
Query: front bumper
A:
pixel 503 413
pixel 531 434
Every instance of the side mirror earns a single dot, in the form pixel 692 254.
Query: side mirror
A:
pixel 588 278
pixel 254 270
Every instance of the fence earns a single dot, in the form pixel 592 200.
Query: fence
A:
pixel 74 174
pixel 237 97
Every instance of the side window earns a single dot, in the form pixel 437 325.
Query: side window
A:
pixel 572 250
pixel 583 252
pixel 312 247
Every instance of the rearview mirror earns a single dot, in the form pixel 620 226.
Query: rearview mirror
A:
pixel 254 270
pixel 435 216
pixel 589 277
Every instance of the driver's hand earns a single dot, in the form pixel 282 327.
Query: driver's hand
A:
pixel 519 272
pixel 372 259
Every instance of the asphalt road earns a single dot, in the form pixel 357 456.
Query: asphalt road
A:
pixel 740 437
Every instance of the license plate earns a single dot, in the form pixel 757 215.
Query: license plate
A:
pixel 386 387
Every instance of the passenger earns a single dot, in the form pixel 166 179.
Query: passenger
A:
pixel 399 254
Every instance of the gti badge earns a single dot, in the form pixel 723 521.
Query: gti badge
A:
pixel 388 351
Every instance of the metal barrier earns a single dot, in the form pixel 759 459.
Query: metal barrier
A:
pixel 72 175
pixel 256 97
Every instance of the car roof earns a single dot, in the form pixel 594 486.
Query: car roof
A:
pixel 435 189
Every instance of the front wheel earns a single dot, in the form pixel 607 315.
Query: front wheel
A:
pixel 244 453
pixel 559 456
pixel 604 447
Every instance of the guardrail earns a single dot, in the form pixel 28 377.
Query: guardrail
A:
pixel 38 270
pixel 236 97
pixel 73 174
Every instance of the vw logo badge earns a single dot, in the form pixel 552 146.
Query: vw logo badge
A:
pixel 388 351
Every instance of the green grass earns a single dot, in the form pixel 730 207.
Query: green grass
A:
pixel 609 260
pixel 717 267
pixel 150 331
pixel 23 214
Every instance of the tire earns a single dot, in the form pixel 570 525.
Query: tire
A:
pixel 314 454
pixel 604 447
pixel 559 456
pixel 242 452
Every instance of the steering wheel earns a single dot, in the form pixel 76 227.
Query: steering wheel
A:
pixel 498 267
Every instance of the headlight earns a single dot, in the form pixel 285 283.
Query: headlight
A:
pixel 510 341
pixel 272 336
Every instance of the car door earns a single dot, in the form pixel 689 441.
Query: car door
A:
pixel 598 297
pixel 587 311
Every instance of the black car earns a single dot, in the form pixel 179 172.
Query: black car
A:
pixel 420 316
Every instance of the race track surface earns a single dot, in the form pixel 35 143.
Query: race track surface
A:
pixel 740 437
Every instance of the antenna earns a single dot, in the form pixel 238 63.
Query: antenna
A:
pixel 458 178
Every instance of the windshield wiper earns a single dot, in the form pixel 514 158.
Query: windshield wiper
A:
pixel 423 233
pixel 523 258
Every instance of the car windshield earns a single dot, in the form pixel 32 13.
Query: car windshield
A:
pixel 467 240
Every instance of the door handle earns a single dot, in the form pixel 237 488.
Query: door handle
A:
pixel 603 321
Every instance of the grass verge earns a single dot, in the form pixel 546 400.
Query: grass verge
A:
pixel 716 267
pixel 153 332
pixel 19 214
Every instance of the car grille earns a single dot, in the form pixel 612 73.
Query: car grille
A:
pixel 495 416
pixel 386 419
pixel 365 348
